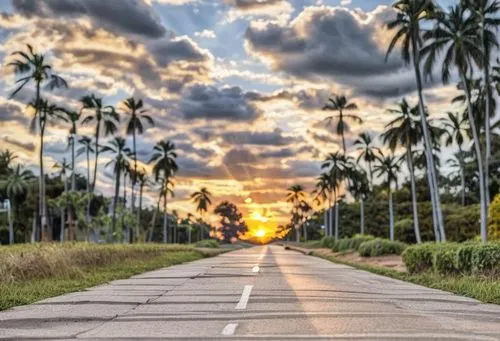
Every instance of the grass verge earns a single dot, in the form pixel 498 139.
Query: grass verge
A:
pixel 31 273
pixel 481 288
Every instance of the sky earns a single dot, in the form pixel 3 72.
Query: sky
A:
pixel 237 85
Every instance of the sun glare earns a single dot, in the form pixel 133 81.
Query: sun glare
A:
pixel 260 233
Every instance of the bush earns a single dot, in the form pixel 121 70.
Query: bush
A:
pixel 353 243
pixel 450 258
pixel 341 245
pixel 328 242
pixel 208 243
pixel 494 219
pixel 419 258
pixel 380 247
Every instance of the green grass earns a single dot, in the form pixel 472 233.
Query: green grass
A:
pixel 481 288
pixel 60 271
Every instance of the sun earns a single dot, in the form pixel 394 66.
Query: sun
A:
pixel 260 233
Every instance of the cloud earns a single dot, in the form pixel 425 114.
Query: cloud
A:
pixel 334 44
pixel 209 34
pixel 272 138
pixel 280 10
pixel 211 103
pixel 27 146
pixel 125 16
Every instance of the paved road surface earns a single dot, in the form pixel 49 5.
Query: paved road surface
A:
pixel 263 293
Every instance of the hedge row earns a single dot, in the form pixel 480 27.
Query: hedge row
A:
pixel 381 247
pixel 451 258
pixel 350 243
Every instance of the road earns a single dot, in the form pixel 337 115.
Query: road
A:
pixel 262 293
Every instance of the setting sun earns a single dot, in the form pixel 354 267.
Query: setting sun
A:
pixel 260 233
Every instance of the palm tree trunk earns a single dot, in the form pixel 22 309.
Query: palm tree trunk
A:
pixel 433 185
pixel 330 217
pixel 325 220
pixel 371 174
pixel 43 207
pixel 10 218
pixel 87 218
pixel 138 213
pixel 362 215
pixel 486 72
pixel 61 233
pixel 125 228
pixel 416 226
pixel 153 221
pixel 73 187
pixel 40 180
pixel 305 232
pixel 165 219
pixel 115 200
pixel 477 146
pixel 297 234
pixel 391 215
pixel 97 131
pixel 336 220
pixel 134 176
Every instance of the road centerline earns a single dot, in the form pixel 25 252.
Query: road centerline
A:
pixel 245 296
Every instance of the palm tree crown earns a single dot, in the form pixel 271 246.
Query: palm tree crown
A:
pixel 340 104
pixel 202 200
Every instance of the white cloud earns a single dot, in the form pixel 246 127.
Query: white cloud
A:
pixel 209 34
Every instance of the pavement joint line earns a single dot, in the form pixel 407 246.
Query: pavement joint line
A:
pixel 229 329
pixel 245 296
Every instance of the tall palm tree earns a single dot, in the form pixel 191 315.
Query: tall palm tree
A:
pixel 337 165
pixel 367 152
pixel 458 161
pixel 359 188
pixel 143 180
pixel 164 168
pixel 404 130
pixel 64 168
pixel 6 159
pixel 16 185
pixel 72 117
pixel 456 33
pixel 456 129
pixel 486 13
pixel 127 172
pixel 295 196
pixel 45 113
pixel 87 148
pixel 135 125
pixel 32 67
pixel 340 104
pixel 389 166
pixel 410 14
pixel 321 195
pixel 117 146
pixel 106 122
pixel 166 189
pixel 202 200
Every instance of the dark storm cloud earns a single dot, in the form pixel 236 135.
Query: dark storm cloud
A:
pixel 10 112
pixel 304 99
pixel 333 44
pixel 167 51
pixel 125 16
pixel 271 138
pixel 208 102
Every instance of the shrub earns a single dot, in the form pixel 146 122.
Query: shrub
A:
pixel 341 245
pixel 485 259
pixel 358 239
pixel 208 243
pixel 444 259
pixel 327 242
pixel 419 258
pixel 494 219
pixel 404 231
pixel 380 247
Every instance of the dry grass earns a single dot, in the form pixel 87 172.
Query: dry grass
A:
pixel 26 262
pixel 29 273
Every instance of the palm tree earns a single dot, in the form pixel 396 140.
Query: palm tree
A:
pixel 359 188
pixel 458 161
pixel 202 200
pixel 338 165
pixel 410 13
pixel 15 185
pixel 166 189
pixel 486 13
pixel 135 109
pixel 6 159
pixel 295 196
pixel 389 166
pixel 142 179
pixel 32 67
pixel 117 146
pixel 64 167
pixel 87 148
pixel 127 172
pixel 340 104
pixel 165 168
pixel 364 144
pixel 106 122
pixel 456 33
pixel 456 130
pixel 305 210
pixel 321 193
pixel 404 130
pixel 73 118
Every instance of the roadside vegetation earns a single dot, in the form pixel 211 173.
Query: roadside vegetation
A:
pixel 29 273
